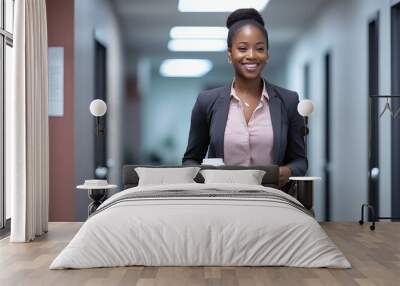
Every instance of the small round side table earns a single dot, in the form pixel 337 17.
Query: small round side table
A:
pixel 304 190
pixel 97 194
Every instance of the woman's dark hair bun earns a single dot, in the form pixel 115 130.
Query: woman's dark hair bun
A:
pixel 244 14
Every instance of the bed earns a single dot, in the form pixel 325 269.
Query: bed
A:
pixel 201 224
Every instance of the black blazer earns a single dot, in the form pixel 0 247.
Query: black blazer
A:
pixel 209 116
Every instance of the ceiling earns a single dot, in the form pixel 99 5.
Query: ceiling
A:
pixel 146 25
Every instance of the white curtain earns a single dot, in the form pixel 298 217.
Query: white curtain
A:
pixel 27 143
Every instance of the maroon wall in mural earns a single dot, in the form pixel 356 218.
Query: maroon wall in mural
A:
pixel 60 25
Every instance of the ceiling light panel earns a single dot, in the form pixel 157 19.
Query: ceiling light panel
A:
pixel 198 33
pixel 219 5
pixel 185 67
pixel 197 45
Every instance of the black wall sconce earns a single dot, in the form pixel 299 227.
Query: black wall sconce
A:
pixel 305 108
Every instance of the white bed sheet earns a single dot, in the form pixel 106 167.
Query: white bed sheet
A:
pixel 200 231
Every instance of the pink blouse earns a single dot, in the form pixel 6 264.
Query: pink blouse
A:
pixel 248 144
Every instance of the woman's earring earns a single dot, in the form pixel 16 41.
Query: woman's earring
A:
pixel 229 60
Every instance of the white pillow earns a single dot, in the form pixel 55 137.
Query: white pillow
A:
pixel 248 177
pixel 165 176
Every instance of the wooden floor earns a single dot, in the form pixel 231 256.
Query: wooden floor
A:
pixel 374 255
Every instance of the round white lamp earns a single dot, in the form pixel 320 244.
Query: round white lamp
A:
pixel 305 107
pixel 98 108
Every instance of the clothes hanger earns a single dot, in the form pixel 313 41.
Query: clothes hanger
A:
pixel 387 107
pixel 397 113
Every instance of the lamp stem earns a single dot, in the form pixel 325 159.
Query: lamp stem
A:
pixel 97 125
pixel 305 134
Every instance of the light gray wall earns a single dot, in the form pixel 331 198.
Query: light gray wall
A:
pixel 342 28
pixel 166 116
pixel 131 130
pixel 276 75
pixel 96 18
pixel 166 106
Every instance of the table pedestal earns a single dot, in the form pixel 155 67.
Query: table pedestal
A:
pixel 305 193
pixel 97 196
pixel 303 190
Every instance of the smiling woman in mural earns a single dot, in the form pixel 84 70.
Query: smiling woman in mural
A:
pixel 250 121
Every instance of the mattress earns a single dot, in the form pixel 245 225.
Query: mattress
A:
pixel 201 225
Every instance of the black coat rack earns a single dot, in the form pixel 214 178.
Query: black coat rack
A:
pixel 394 114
